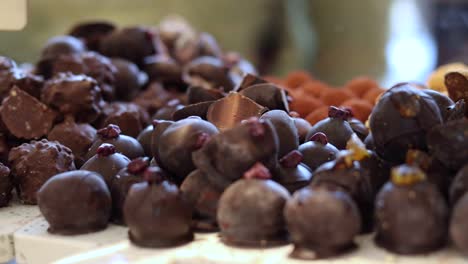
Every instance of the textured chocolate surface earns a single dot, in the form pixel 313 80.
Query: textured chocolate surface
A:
pixel 128 116
pixel 6 185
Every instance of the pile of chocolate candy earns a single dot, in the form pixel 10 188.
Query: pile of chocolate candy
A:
pixel 172 136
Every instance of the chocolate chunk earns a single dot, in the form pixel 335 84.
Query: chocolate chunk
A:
pixel 196 94
pixel 267 95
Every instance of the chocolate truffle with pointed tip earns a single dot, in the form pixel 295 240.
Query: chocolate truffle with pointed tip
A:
pixel 76 136
pixel 130 118
pixel 336 127
pixel 292 174
pixel 62 45
pixel 156 213
pixel 317 151
pixel 75 202
pixel 459 185
pixel 458 228
pixel 124 144
pixel 322 222
pixel 209 73
pixel 26 117
pixel 128 79
pixel 92 32
pixel 401 120
pixel 411 216
pixel 267 95
pixel 32 164
pixel 76 95
pixel 247 143
pixel 107 162
pixel 177 143
pixel 121 183
pixel 229 111
pixel 250 211
pixel 6 185
pixel 449 143
pixel 285 129
pixel 203 197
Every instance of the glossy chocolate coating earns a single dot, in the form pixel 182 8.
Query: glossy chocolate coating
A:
pixel 177 143
pixel 92 32
pixel 458 228
pixel 322 222
pixel 198 109
pixel 62 45
pixel 459 185
pixel 291 173
pixel 303 128
pixel 204 198
pixel 144 138
pixel 267 95
pixel 449 143
pixel 26 117
pixel 400 121
pixel 196 94
pixel 167 111
pixel 128 79
pixel 359 128
pixel 316 153
pixel 159 127
pixel 76 95
pixel 209 73
pixel 32 164
pixel 250 213
pixel 164 69
pixel 285 129
pixel 75 202
pixel 130 118
pixel 6 185
pixel 157 215
pixel 443 102
pixel 246 144
pixel 76 136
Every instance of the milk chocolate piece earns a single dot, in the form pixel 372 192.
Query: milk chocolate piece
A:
pixel 32 164
pixel 26 117
pixel 6 185
pixel 75 202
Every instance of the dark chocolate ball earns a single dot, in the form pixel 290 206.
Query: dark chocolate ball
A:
pixel 247 143
pixel 75 202
pixel 411 216
pixel 285 129
pixel 250 213
pixel 107 162
pixel 303 128
pixel 145 139
pixel 443 102
pixel 33 163
pixel 62 45
pixel 92 32
pixel 458 227
pixel 400 121
pixel 130 117
pixel 6 185
pixel 164 69
pixel 317 151
pixel 336 127
pixel 177 143
pixel 128 79
pixel 157 214
pixel 459 185
pixel 321 222
pixel 159 126
pixel 359 128
pixel 291 173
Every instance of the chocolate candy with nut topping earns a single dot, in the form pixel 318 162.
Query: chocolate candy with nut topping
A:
pixel 322 222
pixel 124 144
pixel 285 129
pixel 250 211
pixel 411 216
pixel 26 117
pixel 317 151
pixel 32 164
pixel 156 213
pixel 107 162
pixel 6 185
pixel 75 202
pixel 76 95
pixel 247 143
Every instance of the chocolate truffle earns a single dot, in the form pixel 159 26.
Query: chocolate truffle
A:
pixel 250 211
pixel 302 127
pixel 196 94
pixel 410 213
pixel 75 202
pixel 459 185
pixel 449 143
pixel 126 145
pixel 128 79
pixel 443 102
pixel 32 164
pixel 130 43
pixel 144 138
pixel 164 69
pixel 128 116
pixel 203 197
pixel 153 98
pixel 76 95
pixel 229 111
pixel 62 45
pixel 322 222
pixel 285 129
pixel 76 136
pixel 267 95
pixel 28 82
pixel 336 127
pixel 107 162
pixel 291 173
pixel 156 213
pixel 250 142
pixel 317 151
pixel 92 32
pixel 167 111
pixel 458 228
pixel 121 183
pixel 177 143
pixel 400 121
pixel 209 73
pixel 26 117
pixel 159 127
pixel 359 128
pixel 6 185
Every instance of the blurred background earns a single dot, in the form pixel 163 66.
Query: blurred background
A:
pixel 389 40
